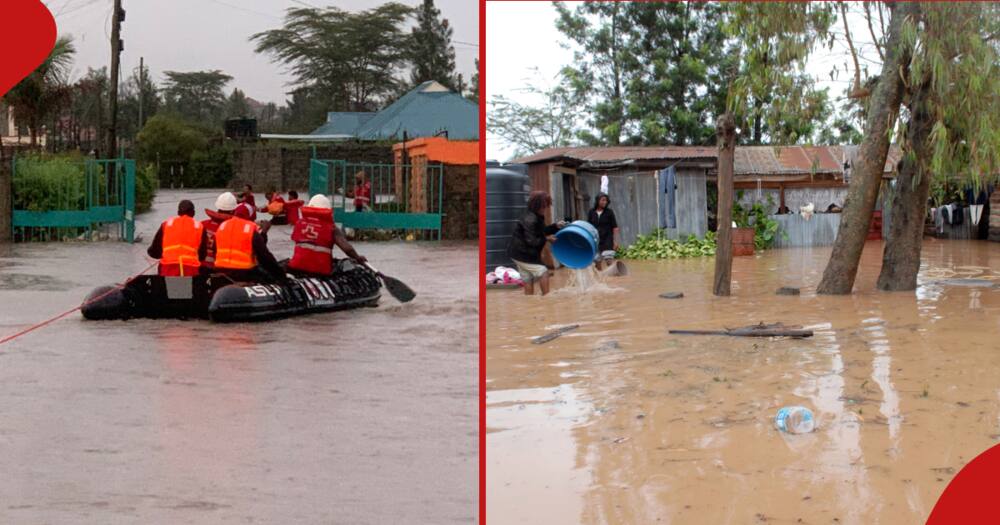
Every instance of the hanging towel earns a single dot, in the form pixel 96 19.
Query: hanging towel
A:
pixel 604 184
pixel 976 211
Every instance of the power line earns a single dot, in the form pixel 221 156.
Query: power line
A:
pixel 247 9
pixel 307 4
pixel 464 43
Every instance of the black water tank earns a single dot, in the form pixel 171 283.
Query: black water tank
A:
pixel 507 190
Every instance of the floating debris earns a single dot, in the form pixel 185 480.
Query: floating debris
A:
pixel 554 334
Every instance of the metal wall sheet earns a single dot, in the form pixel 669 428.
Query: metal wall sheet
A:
pixel 819 230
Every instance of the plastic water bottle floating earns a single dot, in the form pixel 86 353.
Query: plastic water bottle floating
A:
pixel 795 420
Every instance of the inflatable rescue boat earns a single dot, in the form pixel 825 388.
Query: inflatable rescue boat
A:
pixel 218 298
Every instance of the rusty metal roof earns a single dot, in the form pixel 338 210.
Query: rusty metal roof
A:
pixel 750 160
pixel 621 153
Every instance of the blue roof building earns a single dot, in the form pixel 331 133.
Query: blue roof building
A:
pixel 428 110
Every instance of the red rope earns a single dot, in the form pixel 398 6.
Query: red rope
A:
pixel 34 327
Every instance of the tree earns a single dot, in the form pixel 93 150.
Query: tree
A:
pixel 44 90
pixel 661 73
pixel 946 137
pixel 197 96
pixel 138 89
pixel 883 109
pixel 169 140
pixel 474 85
pixel 348 60
pixel 90 95
pixel 237 105
pixel 530 128
pixel 433 56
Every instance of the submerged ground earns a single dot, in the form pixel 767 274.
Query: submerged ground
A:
pixel 364 416
pixel 619 422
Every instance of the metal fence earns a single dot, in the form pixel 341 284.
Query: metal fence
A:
pixel 403 196
pixel 60 200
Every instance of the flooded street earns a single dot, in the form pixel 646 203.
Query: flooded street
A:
pixel 618 422
pixel 361 416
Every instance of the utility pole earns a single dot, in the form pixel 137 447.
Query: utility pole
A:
pixel 142 84
pixel 117 46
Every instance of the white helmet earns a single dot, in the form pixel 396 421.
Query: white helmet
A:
pixel 225 202
pixel 320 201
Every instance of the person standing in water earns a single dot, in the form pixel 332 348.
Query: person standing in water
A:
pixel 528 240
pixel 602 217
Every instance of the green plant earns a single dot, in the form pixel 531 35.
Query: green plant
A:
pixel 757 217
pixel 656 245
pixel 146 184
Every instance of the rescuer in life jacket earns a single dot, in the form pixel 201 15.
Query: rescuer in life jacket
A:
pixel 180 244
pixel 315 235
pixel 241 251
pixel 225 205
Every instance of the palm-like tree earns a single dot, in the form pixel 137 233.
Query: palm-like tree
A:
pixel 41 92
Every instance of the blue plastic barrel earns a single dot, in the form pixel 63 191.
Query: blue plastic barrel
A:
pixel 576 245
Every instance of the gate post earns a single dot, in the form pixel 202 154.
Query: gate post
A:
pixel 129 200
pixel 6 199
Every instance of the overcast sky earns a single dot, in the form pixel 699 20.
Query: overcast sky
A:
pixel 191 35
pixel 521 36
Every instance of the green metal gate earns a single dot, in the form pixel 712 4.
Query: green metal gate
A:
pixel 57 199
pixel 404 196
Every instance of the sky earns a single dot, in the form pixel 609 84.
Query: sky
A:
pixel 192 35
pixel 522 43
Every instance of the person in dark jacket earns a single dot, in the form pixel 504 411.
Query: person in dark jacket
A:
pixel 528 240
pixel 602 217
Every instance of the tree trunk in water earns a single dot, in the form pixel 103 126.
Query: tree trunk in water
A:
pixel 725 129
pixel 838 278
pixel 901 258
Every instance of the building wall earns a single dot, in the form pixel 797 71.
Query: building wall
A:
pixel 461 202
pixel 795 198
pixel 691 204
pixel 795 231
pixel 288 168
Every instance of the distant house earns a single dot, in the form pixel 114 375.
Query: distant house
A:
pixel 673 187
pixel 428 110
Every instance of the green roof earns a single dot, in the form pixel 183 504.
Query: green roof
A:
pixel 427 110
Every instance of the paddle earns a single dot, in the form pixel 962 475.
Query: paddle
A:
pixel 397 288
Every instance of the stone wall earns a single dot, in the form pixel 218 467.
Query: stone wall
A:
pixel 287 168
pixel 461 202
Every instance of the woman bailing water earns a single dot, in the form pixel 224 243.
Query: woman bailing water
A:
pixel 528 241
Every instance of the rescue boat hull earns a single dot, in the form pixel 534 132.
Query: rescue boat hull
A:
pixel 219 299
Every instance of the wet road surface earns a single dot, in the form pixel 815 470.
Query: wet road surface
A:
pixel 363 416
pixel 618 422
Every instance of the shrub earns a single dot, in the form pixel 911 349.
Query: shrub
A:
pixel 756 217
pixel 59 183
pixel 656 245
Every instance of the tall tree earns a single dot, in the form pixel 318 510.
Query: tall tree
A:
pixel 350 60
pixel 953 72
pixel 883 109
pixel 237 105
pixel 197 95
pixel 138 89
pixel 530 128
pixel 474 85
pixel 433 56
pixel 41 93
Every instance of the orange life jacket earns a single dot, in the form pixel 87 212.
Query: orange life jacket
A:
pixel 234 244
pixel 181 240
pixel 313 236
pixel 211 225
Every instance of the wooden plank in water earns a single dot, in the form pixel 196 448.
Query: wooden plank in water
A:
pixel 554 334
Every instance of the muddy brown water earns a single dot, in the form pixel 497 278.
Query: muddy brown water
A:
pixel 618 422
pixel 364 416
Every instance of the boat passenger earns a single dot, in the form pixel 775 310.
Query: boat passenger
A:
pixel 241 251
pixel 314 235
pixel 225 205
pixel 292 207
pixel 180 243
pixel 362 192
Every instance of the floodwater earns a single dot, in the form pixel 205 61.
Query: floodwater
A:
pixel 364 416
pixel 618 422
